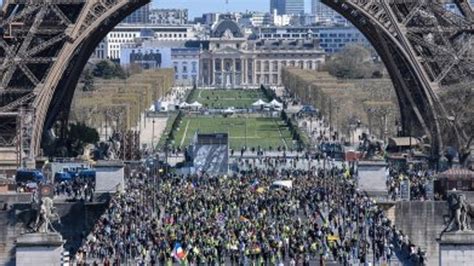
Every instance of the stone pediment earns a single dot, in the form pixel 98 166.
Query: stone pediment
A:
pixel 228 50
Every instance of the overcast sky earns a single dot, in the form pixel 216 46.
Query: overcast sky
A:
pixel 198 7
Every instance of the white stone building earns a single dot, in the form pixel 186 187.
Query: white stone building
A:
pixel 128 34
pixel 233 60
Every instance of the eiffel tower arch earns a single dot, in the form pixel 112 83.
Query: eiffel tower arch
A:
pixel 426 50
pixel 44 45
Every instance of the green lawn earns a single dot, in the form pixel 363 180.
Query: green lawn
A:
pixel 253 131
pixel 223 99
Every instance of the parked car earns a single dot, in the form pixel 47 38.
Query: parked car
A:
pixel 24 176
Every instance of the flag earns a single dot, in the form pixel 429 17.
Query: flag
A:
pixel 254 184
pixel 178 252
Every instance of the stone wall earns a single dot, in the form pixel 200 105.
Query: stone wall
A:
pixel 7 239
pixel 77 219
pixel 422 222
pixel 457 248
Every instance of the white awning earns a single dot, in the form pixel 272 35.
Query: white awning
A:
pixel 260 102
pixel 276 103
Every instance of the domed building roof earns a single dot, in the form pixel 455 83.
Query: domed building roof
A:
pixel 225 27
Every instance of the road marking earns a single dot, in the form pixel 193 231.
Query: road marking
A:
pixel 185 133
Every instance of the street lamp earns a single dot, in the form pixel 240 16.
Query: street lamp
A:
pixel 153 136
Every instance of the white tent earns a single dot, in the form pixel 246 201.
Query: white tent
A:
pixel 184 105
pixel 276 103
pixel 196 104
pixel 259 103
pixel 229 110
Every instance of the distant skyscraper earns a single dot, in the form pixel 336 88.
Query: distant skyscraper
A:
pixel 140 16
pixel 278 5
pixel 321 11
pixel 326 15
pixel 290 7
pixel 294 7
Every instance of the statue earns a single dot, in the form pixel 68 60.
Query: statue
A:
pixel 227 35
pixel 109 150
pixel 47 215
pixel 460 213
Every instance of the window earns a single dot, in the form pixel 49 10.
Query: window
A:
pixel 194 67
pixel 266 79
pixel 238 65
pixel 185 69
pixel 266 66
pixel 275 66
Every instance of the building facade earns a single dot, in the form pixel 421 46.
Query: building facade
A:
pixel 287 7
pixel 259 19
pixel 100 51
pixel 278 6
pixel 128 34
pixel 186 65
pixel 156 54
pixel 232 60
pixel 147 57
pixel 325 15
pixel 140 16
pixel 294 7
pixel 331 38
pixel 169 16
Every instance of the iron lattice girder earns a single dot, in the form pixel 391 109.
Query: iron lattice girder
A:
pixel 465 8
pixel 34 36
pixel 39 47
pixel 453 34
pixel 384 16
pixel 447 57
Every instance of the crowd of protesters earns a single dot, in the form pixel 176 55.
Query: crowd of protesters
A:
pixel 420 183
pixel 79 188
pixel 245 219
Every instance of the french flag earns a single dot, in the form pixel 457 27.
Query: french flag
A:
pixel 178 252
